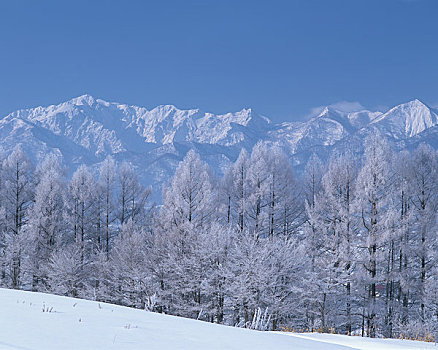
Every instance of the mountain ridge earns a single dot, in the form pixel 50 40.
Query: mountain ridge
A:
pixel 87 129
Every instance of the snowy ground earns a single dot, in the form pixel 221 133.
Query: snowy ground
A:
pixel 366 343
pixel 68 323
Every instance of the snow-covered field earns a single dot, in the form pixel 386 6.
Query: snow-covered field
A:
pixel 42 321
pixel 366 343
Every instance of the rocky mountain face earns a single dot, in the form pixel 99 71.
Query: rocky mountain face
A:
pixel 86 130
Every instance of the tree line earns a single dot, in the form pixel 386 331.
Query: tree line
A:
pixel 349 246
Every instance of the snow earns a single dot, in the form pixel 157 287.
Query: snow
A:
pixel 70 323
pixel 80 324
pixel 407 120
pixel 86 130
pixel 366 343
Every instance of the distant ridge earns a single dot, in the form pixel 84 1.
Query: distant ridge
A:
pixel 86 130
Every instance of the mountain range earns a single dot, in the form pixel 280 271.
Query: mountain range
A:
pixel 86 130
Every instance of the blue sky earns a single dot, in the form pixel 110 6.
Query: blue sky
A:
pixel 281 58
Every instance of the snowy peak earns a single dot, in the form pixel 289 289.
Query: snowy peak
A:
pixel 326 128
pixel 86 129
pixel 83 100
pixel 407 120
pixel 352 120
pixel 102 127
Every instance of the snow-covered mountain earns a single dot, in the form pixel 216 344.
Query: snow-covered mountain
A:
pixel 407 120
pixel 86 130
pixel 324 129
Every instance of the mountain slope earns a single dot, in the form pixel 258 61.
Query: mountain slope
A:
pixel 86 130
pixel 325 129
pixel 407 120
pixel 44 321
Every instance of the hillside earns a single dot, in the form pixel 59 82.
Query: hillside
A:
pixel 80 324
pixel 42 321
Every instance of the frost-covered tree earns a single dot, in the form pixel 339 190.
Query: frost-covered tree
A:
pixel 311 186
pixel 130 273
pixel 186 213
pixel 312 182
pixel 350 246
pixel 259 199
pixel 312 178
pixel 248 276
pixel 46 224
pixel 285 207
pixel 67 273
pixel 424 200
pixel 81 197
pixel 107 183
pixel 371 202
pixel 189 198
pixel 398 246
pixel 236 191
pixel 132 196
pixel 215 249
pixel 332 240
pixel 285 283
pixel 264 274
pixel 261 192
pixel 18 196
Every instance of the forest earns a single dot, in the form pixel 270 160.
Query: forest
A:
pixel 348 246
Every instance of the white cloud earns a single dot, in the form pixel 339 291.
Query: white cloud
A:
pixel 346 106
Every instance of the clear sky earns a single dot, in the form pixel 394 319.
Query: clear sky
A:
pixel 282 58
